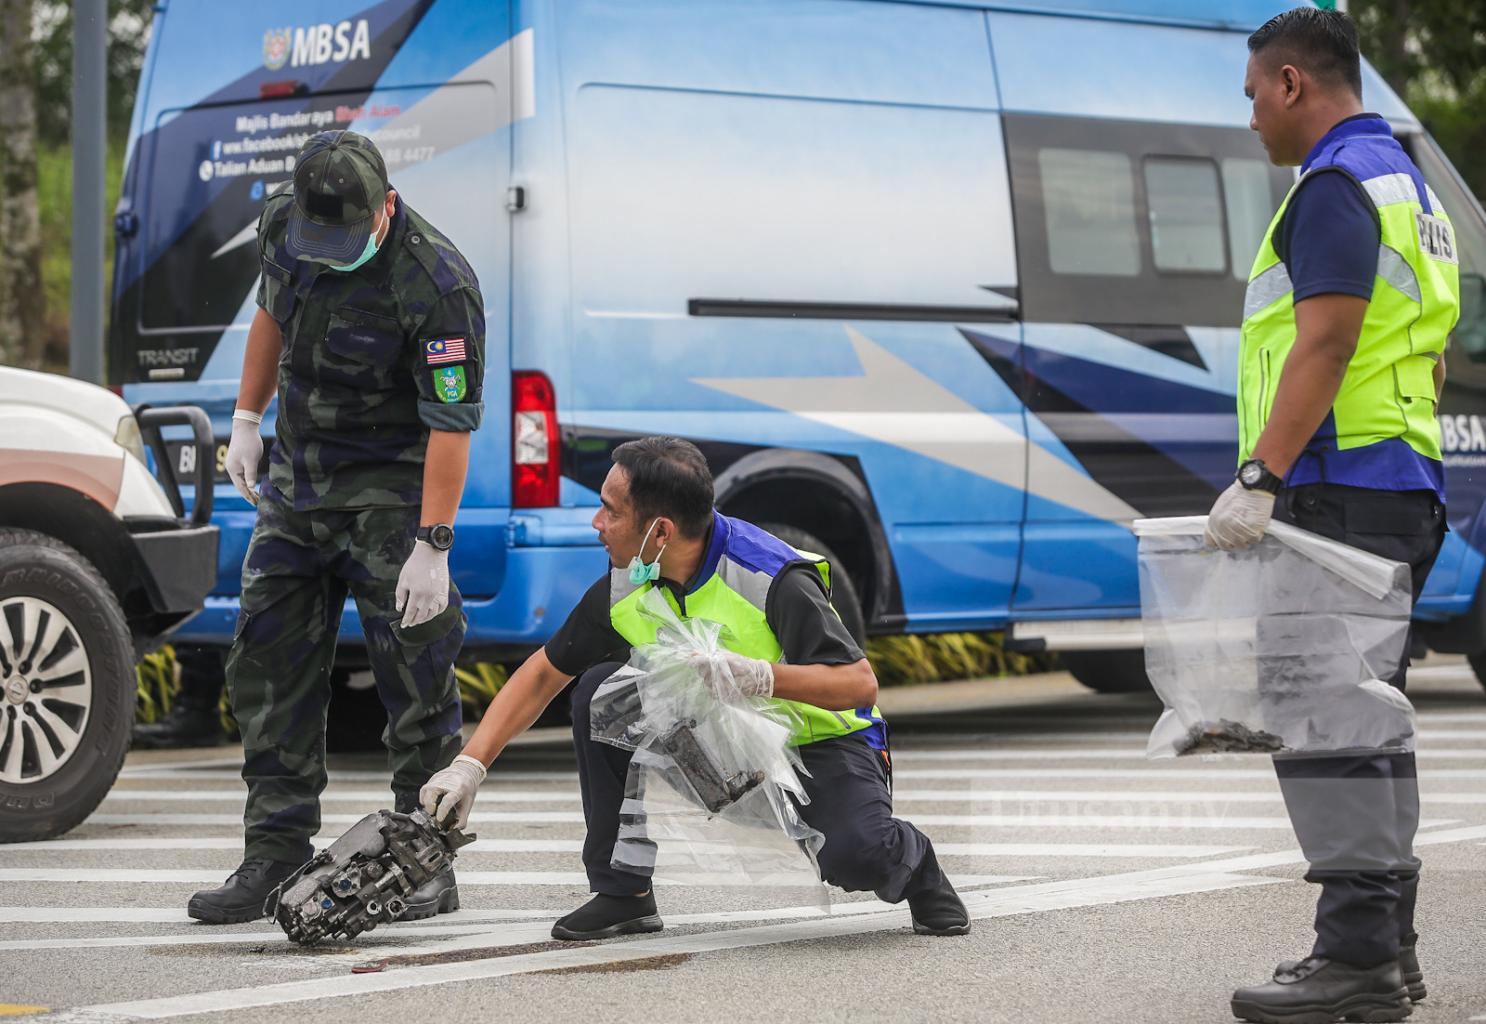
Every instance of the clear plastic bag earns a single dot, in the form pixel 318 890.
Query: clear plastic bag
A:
pixel 1280 647
pixel 713 783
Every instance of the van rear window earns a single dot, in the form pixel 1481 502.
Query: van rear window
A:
pixel 1171 244
pixel 1089 205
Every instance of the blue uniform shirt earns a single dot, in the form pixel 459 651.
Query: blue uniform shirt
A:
pixel 1328 241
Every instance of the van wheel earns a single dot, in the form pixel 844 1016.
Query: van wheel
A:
pixel 1478 666
pixel 67 687
pixel 1108 671
pixel 844 596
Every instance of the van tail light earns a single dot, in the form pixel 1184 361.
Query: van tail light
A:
pixel 536 448
pixel 281 89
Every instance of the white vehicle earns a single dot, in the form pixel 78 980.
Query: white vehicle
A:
pixel 98 563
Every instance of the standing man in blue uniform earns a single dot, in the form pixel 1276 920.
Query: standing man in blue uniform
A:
pixel 1349 305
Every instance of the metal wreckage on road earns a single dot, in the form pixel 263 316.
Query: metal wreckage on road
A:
pixel 365 877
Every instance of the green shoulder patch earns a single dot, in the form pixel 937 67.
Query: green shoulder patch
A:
pixel 450 384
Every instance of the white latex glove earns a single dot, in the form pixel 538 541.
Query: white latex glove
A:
pixel 423 584
pixel 1239 517
pixel 730 675
pixel 450 794
pixel 244 452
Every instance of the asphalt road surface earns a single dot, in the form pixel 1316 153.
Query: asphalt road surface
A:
pixel 1104 887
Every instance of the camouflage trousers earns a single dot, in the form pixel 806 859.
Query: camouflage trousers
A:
pixel 298 571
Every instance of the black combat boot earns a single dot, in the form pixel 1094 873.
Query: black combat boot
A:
pixel 1413 976
pixel 937 908
pixel 241 897
pixel 1319 991
pixel 182 727
pixel 604 916
pixel 438 895
pixel 939 911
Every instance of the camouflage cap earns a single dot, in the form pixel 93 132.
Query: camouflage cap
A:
pixel 339 183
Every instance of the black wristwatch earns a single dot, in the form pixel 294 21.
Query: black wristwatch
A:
pixel 1254 475
pixel 440 535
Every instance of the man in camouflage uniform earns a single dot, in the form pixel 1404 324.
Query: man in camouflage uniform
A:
pixel 372 324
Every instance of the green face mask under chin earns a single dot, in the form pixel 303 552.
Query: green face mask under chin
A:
pixel 372 244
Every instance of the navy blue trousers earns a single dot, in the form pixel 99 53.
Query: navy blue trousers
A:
pixel 1356 816
pixel 866 848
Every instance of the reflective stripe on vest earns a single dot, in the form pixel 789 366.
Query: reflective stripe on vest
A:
pixel 1388 390
pixel 735 596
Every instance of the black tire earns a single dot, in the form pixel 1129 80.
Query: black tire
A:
pixel 1108 671
pixel 844 596
pixel 356 719
pixel 39 568
pixel 1478 666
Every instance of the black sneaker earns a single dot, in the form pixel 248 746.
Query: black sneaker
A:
pixel 242 896
pixel 1413 976
pixel 182 727
pixel 604 916
pixel 438 895
pixel 1320 991
pixel 939 911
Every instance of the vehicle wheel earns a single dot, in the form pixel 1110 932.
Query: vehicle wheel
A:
pixel 357 717
pixel 1478 666
pixel 844 596
pixel 1108 671
pixel 67 687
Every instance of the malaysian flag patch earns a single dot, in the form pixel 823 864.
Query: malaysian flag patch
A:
pixel 443 350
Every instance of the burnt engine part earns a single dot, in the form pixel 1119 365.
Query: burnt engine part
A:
pixel 715 789
pixel 364 878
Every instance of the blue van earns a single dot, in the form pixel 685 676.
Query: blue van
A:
pixel 948 291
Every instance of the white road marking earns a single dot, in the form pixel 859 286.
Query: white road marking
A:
pixel 1210 774
pixel 376 797
pixel 479 818
pixel 1139 736
pixel 497 776
pixel 1021 900
pixel 1138 821
pixel 575 846
pixel 177 915
pixel 1111 754
pixel 195 876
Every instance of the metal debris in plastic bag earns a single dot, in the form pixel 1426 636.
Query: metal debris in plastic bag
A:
pixel 1282 647
pixel 713 784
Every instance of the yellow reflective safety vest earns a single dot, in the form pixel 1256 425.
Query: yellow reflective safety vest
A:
pixel 1382 431
pixel 737 572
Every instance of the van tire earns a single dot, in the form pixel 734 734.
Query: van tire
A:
pixel 35 566
pixel 1108 671
pixel 1478 666
pixel 844 596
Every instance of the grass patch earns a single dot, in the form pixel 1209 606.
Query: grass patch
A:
pixel 898 661
pixel 54 196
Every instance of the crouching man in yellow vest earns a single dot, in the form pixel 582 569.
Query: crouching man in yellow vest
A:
pixel 785 642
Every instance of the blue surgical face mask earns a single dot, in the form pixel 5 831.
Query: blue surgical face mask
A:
pixel 639 572
pixel 372 244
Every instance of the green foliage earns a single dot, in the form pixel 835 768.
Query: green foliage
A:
pixel 128 34
pixel 158 677
pixel 158 680
pixel 158 683
pixel 911 659
pixel 1433 54
pixel 54 195
pixel 479 682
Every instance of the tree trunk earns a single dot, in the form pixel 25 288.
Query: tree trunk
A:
pixel 22 302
